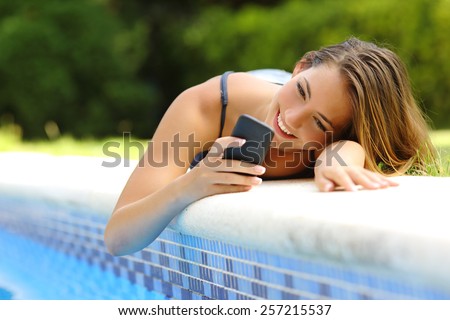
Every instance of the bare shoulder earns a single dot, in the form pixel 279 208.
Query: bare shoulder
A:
pixel 247 94
pixel 193 111
pixel 202 103
pixel 186 127
pixel 244 85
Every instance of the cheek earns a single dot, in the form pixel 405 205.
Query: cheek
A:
pixel 312 138
pixel 286 97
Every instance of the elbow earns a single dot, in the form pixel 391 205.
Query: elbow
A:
pixel 110 244
pixel 113 243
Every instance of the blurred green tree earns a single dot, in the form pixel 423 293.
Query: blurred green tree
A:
pixel 99 67
pixel 220 38
pixel 72 63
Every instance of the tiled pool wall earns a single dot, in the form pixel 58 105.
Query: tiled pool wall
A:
pixel 181 266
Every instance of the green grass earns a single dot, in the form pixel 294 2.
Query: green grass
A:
pixel 10 141
pixel 127 147
pixel 441 139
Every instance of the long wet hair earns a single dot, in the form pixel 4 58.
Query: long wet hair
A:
pixel 386 119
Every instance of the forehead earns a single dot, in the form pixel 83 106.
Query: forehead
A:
pixel 329 93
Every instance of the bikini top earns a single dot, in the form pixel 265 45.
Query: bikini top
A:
pixel 272 75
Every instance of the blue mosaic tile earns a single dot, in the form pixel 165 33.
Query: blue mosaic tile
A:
pixel 186 294
pixel 148 282
pixel 156 272
pixel 157 285
pixel 241 296
pixel 132 276
pixel 205 273
pixel 139 267
pixel 164 261
pixel 184 267
pixel 259 290
pixel 273 293
pixel 218 292
pixel 289 296
pixel 204 256
pixel 140 279
pixel 196 285
pixel 167 289
pixel 116 271
pixel 146 255
pixel 232 295
pixel 207 289
pixel 231 281
pixel 175 278
pixel 195 270
pixel 257 273
pixel 123 272
pixel 190 267
pixel 245 286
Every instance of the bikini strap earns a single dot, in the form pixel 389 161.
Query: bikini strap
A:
pixel 223 99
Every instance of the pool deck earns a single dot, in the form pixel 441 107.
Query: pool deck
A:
pixel 402 230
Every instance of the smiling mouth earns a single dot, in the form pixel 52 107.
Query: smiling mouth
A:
pixel 282 130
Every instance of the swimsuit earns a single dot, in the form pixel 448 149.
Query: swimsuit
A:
pixel 271 75
pixel 224 101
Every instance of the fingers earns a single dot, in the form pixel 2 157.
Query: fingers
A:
pixel 221 188
pixel 215 175
pixel 219 146
pixel 214 159
pixel 370 180
pixel 236 179
pixel 341 178
pixel 232 166
pixel 350 178
pixel 324 184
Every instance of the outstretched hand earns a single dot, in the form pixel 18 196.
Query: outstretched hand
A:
pixel 349 177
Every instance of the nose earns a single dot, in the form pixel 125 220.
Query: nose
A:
pixel 296 117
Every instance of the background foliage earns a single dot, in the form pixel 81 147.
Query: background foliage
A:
pixel 100 67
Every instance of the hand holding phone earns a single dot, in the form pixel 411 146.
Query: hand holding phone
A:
pixel 258 137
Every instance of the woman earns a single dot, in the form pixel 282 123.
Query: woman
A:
pixel 347 116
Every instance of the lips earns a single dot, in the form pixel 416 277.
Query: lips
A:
pixel 280 127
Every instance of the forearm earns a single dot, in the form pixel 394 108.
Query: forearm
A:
pixel 136 223
pixel 339 154
pixel 134 226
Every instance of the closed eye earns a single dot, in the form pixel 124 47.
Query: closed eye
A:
pixel 319 124
pixel 300 90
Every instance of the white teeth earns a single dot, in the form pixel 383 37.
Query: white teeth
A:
pixel 282 127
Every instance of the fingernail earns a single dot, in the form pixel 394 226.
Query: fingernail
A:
pixel 240 142
pixel 257 180
pixel 328 187
pixel 260 169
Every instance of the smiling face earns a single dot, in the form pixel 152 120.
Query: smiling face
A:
pixel 314 104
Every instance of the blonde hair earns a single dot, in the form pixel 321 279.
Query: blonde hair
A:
pixel 386 119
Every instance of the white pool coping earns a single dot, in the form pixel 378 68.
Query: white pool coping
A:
pixel 402 230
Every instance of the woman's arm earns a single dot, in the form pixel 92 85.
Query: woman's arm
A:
pixel 341 164
pixel 159 187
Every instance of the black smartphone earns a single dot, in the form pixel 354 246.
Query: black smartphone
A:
pixel 258 136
